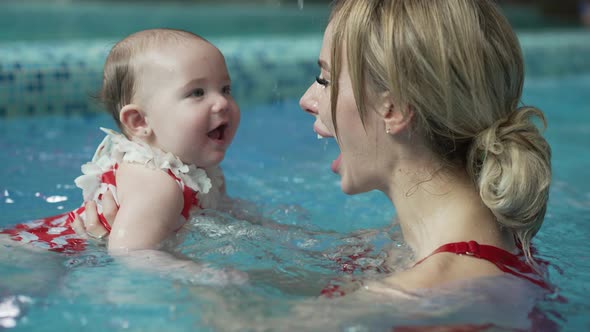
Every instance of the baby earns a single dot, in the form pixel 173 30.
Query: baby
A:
pixel 169 93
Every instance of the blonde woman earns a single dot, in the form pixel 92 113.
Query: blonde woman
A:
pixel 423 98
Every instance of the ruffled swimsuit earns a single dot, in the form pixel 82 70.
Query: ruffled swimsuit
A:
pixel 201 190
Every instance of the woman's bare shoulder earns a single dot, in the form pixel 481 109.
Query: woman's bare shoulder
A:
pixel 402 283
pixel 438 270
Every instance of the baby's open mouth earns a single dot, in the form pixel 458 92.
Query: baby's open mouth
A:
pixel 218 133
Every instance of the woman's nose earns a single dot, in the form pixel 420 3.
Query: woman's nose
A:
pixel 308 103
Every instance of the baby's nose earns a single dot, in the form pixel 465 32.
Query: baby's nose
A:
pixel 221 103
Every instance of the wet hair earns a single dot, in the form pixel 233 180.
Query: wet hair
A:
pixel 457 65
pixel 121 68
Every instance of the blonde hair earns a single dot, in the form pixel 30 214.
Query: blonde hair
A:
pixel 119 82
pixel 458 66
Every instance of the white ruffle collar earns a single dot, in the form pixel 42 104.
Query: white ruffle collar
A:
pixel 116 148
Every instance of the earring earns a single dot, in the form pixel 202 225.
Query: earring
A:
pixel 387 130
pixel 145 131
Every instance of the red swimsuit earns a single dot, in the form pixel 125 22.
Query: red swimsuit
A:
pixel 56 234
pixel 504 260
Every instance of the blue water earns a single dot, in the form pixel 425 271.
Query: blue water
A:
pixel 282 170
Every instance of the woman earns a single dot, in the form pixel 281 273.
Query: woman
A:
pixel 423 100
pixel 422 97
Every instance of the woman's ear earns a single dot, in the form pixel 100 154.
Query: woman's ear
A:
pixel 134 121
pixel 396 117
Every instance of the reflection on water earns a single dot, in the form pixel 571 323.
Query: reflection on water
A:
pixel 294 232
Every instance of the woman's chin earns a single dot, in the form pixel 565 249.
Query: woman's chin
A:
pixel 347 187
pixel 350 187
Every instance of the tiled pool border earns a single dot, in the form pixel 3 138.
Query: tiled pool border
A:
pixel 59 78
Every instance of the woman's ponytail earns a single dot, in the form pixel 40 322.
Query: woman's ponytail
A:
pixel 511 164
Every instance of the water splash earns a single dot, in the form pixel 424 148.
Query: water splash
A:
pixel 326 144
pixel 7 200
pixel 56 199
pixel 11 308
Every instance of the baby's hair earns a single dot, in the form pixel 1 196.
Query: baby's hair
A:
pixel 457 65
pixel 119 83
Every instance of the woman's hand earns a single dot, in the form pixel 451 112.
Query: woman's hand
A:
pixel 90 227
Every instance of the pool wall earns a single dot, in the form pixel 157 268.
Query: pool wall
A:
pixel 59 77
pixel 49 78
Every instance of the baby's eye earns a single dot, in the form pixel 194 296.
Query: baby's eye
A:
pixel 321 81
pixel 197 93
pixel 226 90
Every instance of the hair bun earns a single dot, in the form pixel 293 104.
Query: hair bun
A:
pixel 510 163
pixel 517 129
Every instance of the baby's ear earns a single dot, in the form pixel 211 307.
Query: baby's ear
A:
pixel 134 122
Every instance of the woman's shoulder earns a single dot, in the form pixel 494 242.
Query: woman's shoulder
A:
pixel 447 272
pixel 441 269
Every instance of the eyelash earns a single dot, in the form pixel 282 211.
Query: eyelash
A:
pixel 321 81
pixel 201 92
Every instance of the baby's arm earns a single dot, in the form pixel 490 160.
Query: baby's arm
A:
pixel 152 260
pixel 150 206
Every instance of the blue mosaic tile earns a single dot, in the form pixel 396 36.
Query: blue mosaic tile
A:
pixel 61 75
pixel 6 77
pixel 64 76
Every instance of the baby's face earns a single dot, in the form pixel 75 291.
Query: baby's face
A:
pixel 186 96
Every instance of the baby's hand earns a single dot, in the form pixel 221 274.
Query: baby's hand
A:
pixel 90 227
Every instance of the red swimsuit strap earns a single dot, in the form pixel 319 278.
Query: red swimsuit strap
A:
pixel 190 196
pixel 504 260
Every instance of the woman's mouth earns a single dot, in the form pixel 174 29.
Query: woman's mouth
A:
pixel 336 163
pixel 319 128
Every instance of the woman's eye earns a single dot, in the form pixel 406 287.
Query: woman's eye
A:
pixel 321 81
pixel 197 93
pixel 226 90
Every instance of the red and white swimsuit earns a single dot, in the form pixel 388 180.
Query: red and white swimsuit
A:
pixel 201 189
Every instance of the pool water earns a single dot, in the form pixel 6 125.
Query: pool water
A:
pixel 281 169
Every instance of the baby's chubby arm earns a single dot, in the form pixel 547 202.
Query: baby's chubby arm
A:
pixel 150 206
pixel 149 212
